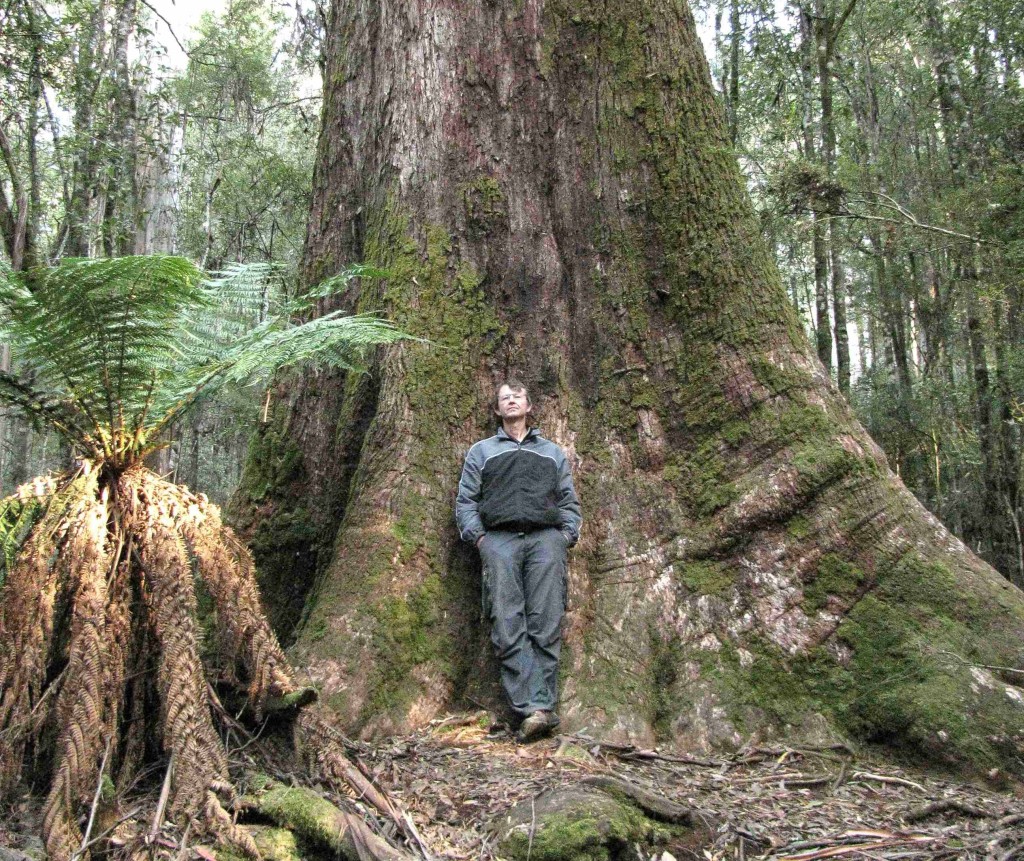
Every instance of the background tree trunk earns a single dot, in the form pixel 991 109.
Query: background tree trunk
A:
pixel 552 189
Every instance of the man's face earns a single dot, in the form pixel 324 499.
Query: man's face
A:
pixel 512 403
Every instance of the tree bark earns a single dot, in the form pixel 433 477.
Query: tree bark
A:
pixel 552 190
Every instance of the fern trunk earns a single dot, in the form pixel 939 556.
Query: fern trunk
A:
pixel 552 187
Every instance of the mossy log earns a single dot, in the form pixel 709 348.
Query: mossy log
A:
pixel 313 818
pixel 552 189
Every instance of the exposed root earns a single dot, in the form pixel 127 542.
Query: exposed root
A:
pixel 322 749
pixel 324 824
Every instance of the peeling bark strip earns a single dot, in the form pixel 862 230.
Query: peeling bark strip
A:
pixel 552 189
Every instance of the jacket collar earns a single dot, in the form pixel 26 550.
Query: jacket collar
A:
pixel 531 433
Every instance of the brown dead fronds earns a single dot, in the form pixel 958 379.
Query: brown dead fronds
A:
pixel 26 613
pixel 228 572
pixel 170 598
pixel 100 624
pixel 82 719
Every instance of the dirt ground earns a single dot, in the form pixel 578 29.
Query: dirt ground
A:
pixel 777 802
pixel 454 779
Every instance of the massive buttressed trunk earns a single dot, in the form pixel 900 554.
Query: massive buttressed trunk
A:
pixel 552 189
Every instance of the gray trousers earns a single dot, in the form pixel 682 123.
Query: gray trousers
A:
pixel 524 596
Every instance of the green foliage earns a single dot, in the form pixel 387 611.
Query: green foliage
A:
pixel 117 348
pixel 249 129
pixel 17 516
pixel 901 191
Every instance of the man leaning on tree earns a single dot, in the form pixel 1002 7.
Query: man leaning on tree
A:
pixel 517 505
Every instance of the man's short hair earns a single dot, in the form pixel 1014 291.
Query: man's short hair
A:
pixel 516 385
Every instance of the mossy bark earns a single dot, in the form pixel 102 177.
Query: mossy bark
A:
pixel 552 188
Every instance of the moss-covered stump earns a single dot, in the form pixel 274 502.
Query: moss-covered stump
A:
pixel 587 823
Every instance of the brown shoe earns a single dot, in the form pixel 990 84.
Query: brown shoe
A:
pixel 536 725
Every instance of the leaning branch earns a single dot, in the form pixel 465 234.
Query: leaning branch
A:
pixel 912 222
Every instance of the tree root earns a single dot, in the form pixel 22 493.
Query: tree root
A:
pixel 655 806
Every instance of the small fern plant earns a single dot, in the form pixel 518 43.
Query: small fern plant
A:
pixel 98 610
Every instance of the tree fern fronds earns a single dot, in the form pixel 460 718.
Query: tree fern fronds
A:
pixel 25 628
pixel 94 330
pixel 117 628
pixel 26 617
pixel 252 291
pixel 337 284
pixel 19 512
pixel 117 348
pixel 334 340
pixel 199 759
pixel 134 705
pixel 46 408
pixel 80 703
pixel 228 571
pixel 239 298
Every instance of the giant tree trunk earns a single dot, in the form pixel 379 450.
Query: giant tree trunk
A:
pixel 552 189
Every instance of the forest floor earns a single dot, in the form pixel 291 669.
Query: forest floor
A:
pixel 457 781
pixel 773 802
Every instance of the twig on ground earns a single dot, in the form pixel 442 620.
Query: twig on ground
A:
pixel 165 792
pixel 884 778
pixel 95 802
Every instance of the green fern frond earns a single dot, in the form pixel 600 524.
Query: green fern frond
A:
pixel 337 284
pixel 42 408
pixel 334 340
pixel 17 517
pixel 114 349
pixel 92 333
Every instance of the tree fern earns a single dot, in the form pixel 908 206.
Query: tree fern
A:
pixel 98 565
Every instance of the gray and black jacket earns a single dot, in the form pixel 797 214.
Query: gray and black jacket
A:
pixel 516 486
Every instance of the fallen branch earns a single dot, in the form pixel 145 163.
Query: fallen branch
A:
pixel 165 792
pixel 630 752
pixel 806 780
pixel 883 778
pixel 857 848
pixel 943 806
pixel 95 803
